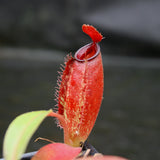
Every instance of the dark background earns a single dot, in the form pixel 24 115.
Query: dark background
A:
pixel 35 35
pixel 130 27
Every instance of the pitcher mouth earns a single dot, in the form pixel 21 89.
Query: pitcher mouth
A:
pixel 87 52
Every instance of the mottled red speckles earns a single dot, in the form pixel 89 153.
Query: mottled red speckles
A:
pixel 81 90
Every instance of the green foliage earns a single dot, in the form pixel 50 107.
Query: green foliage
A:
pixel 19 133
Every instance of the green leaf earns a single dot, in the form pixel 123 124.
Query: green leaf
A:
pixel 20 132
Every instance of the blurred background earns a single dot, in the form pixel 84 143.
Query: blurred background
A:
pixel 35 36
